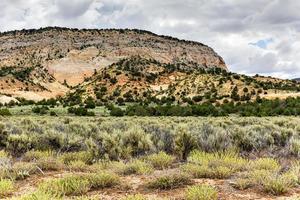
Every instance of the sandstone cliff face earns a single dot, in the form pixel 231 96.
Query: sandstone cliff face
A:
pixel 58 56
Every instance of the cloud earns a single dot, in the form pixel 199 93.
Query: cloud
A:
pixel 253 36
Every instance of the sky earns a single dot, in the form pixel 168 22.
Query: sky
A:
pixel 253 36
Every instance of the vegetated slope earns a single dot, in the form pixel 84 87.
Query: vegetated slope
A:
pixel 122 65
pixel 137 79
pixel 49 59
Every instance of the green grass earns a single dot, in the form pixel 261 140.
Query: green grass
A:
pixel 78 184
pixel 102 180
pixel 137 167
pixel 134 197
pixel 201 192
pixel 6 187
pixel 220 165
pixel 168 182
pixel 70 185
pixel 160 160
pixel 37 195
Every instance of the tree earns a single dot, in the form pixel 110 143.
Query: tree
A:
pixel 116 112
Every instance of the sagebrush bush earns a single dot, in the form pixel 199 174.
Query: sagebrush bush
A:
pixel 212 139
pixel 19 144
pixel 136 141
pixel 294 146
pixel 114 139
pixel 201 192
pixel 184 142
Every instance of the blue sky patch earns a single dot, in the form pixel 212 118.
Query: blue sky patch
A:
pixel 262 43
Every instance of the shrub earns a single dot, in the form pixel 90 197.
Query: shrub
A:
pixel 136 141
pixel 170 182
pixel 40 110
pixel 294 146
pixel 117 112
pixel 212 139
pixel 201 192
pixel 160 160
pixel 6 187
pixel 5 112
pixel 184 142
pixel 53 113
pixel 18 144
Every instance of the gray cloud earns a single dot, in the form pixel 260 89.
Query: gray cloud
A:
pixel 226 25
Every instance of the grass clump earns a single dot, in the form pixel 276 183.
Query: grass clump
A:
pixel 22 170
pixel 4 155
pixel 112 166
pixel 276 185
pixel 134 197
pixel 6 187
pixel 170 182
pixel 102 180
pixel 83 156
pixel 71 185
pixel 214 165
pixel 78 184
pixel 137 167
pixel 78 166
pixel 265 164
pixel 242 183
pixel 160 160
pixel 50 164
pixel 201 192
pixel 38 195
pixel 37 155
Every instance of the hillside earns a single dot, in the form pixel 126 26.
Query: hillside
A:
pixel 122 65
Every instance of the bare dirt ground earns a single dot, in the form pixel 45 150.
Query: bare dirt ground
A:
pixel 136 184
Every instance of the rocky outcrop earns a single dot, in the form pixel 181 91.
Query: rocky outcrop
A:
pixel 67 57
